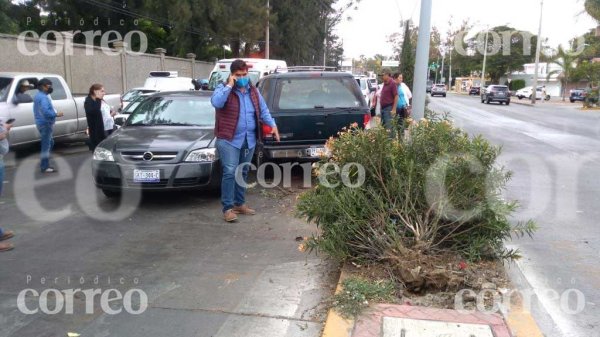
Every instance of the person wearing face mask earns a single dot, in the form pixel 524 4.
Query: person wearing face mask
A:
pixel 94 115
pixel 239 109
pixel 45 117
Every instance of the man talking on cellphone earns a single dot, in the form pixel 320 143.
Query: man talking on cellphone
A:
pixel 240 109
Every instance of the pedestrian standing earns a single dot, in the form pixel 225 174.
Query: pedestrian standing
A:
pixel 388 99
pixel 239 110
pixel 94 115
pixel 404 97
pixel 45 118
pixel 4 130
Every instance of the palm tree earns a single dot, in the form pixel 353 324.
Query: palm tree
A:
pixel 567 60
pixel 593 8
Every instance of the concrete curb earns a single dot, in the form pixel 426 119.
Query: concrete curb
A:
pixel 336 325
pixel 519 321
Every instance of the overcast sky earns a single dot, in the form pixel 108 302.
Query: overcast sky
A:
pixel 366 34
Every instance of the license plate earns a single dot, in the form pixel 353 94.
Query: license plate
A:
pixel 146 176
pixel 317 151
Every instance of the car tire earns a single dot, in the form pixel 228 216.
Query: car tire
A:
pixel 508 103
pixel 487 101
pixel 520 97
pixel 572 100
pixel 444 95
pixel 111 194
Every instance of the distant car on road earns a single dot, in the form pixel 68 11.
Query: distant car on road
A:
pixel 474 91
pixel 528 91
pixel 577 95
pixel 167 143
pixel 438 90
pixel 495 93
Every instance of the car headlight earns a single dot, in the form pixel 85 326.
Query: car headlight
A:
pixel 202 155
pixel 103 154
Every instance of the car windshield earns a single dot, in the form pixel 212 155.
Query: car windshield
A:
pixel 133 104
pixel 135 93
pixel 222 75
pixel 499 88
pixel 173 111
pixel 310 93
pixel 5 83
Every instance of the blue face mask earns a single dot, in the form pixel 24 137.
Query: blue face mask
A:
pixel 242 82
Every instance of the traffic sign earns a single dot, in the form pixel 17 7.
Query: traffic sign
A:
pixel 390 63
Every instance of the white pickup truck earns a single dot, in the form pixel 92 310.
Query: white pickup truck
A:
pixel 24 130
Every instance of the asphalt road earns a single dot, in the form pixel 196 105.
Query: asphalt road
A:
pixel 552 150
pixel 201 277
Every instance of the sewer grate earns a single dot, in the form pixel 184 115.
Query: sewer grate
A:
pixel 405 327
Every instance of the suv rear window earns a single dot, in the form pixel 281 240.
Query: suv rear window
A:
pixel 310 93
pixel 499 88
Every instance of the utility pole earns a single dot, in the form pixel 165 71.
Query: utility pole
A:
pixel 267 56
pixel 484 59
pixel 537 57
pixel 450 73
pixel 422 62
pixel 442 72
pixel 325 45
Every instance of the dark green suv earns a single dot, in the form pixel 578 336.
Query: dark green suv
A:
pixel 309 107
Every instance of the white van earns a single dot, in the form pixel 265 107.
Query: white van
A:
pixel 167 81
pixel 257 69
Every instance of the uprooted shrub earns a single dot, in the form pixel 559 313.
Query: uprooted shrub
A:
pixel 434 191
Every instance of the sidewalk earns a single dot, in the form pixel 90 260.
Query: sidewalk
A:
pixel 383 320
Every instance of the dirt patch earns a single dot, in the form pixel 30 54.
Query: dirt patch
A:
pixel 436 281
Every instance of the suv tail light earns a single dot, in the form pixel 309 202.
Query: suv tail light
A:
pixel 267 132
pixel 366 119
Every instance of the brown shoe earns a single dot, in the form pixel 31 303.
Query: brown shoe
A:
pixel 7 235
pixel 229 215
pixel 6 246
pixel 243 209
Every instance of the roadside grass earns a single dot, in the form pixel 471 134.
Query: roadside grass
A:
pixel 358 292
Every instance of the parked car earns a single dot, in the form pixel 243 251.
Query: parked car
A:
pixel 495 93
pixel 168 143
pixel 168 81
pixel 475 91
pixel 365 87
pixel 528 91
pixel 438 90
pixel 577 95
pixel 429 86
pixel 24 130
pixel 309 107
pixel 257 69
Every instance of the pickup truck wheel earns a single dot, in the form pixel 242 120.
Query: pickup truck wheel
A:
pixel 508 103
pixel 488 101
pixel 111 193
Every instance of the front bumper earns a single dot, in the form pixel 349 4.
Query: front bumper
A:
pixel 175 176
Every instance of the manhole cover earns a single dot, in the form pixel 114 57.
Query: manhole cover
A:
pixel 404 327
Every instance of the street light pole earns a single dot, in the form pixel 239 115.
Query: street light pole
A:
pixel 443 80
pixel 537 57
pixel 267 56
pixel 484 60
pixel 422 62
pixel 450 73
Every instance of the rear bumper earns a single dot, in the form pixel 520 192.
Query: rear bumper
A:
pixel 309 152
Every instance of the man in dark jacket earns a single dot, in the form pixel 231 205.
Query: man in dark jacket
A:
pixel 239 108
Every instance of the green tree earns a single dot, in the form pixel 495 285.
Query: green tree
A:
pixel 407 56
pixel 8 24
pixel 593 8
pixel 567 60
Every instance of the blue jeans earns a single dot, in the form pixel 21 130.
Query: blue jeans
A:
pixel 386 117
pixel 1 182
pixel 1 174
pixel 47 145
pixel 232 194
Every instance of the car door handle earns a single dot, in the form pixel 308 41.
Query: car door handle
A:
pixel 320 123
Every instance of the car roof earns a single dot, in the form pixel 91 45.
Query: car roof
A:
pixel 311 74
